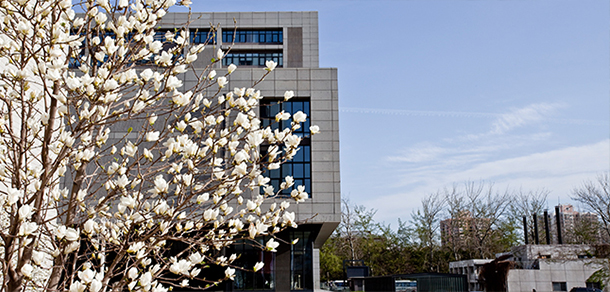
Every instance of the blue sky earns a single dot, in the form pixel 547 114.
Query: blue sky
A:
pixel 432 93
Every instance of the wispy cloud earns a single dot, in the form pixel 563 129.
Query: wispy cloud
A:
pixel 523 116
pixel 453 114
pixel 462 150
pixel 479 146
pixel 420 153
pixel 515 117
pixel 577 159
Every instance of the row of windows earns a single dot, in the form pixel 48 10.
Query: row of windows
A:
pixel 253 36
pixel 195 36
pixel 240 36
pixel 253 59
pixel 200 36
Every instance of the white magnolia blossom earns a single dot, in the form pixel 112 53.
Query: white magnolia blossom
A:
pixel 314 129
pixel 106 156
pixel 231 68
pixel 222 81
pixel 272 245
pixel 270 65
pixel 282 116
pixel 152 136
pixel 258 266
pixel 77 286
pixel 86 276
pixel 26 270
pixel 182 267
pixel 288 95
pixel 230 273
pixel 132 273
pixel 299 117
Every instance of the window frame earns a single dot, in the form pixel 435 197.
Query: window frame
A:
pixel 253 58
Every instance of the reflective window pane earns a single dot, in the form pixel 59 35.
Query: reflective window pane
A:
pixel 274 36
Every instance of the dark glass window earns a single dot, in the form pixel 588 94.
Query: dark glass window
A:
pixel 160 35
pixel 275 36
pixel 203 36
pixel 270 108
pixel 74 63
pixel 249 256
pixel 560 286
pixel 301 274
pixel 253 58
pixel 196 36
pixel 300 166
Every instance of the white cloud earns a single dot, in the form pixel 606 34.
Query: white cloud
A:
pixel 559 170
pixel 420 153
pixel 443 114
pixel 559 162
pixel 522 116
pixel 513 153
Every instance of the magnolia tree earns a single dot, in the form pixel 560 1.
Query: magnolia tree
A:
pixel 91 206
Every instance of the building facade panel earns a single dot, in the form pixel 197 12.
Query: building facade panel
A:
pixel 294 40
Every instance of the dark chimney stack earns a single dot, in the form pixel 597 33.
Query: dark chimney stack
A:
pixel 525 230
pixel 558 220
pixel 537 240
pixel 547 230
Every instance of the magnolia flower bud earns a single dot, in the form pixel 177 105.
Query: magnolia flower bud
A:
pixel 231 68
pixel 133 273
pixel 299 117
pixel 222 81
pixel 26 270
pixel 272 245
pixel 288 95
pixel 270 65
pixel 314 129
pixel 230 273
pixel 258 266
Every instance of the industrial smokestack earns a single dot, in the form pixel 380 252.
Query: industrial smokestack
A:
pixel 525 229
pixel 558 220
pixel 537 240
pixel 546 227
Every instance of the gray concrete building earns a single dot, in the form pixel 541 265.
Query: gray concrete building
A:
pixel 470 268
pixel 290 39
pixel 541 268
pixel 555 267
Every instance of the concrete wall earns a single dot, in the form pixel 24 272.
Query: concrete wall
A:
pixel 555 251
pixel 574 272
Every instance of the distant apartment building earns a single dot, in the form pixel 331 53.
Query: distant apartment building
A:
pixel 458 229
pixel 577 227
